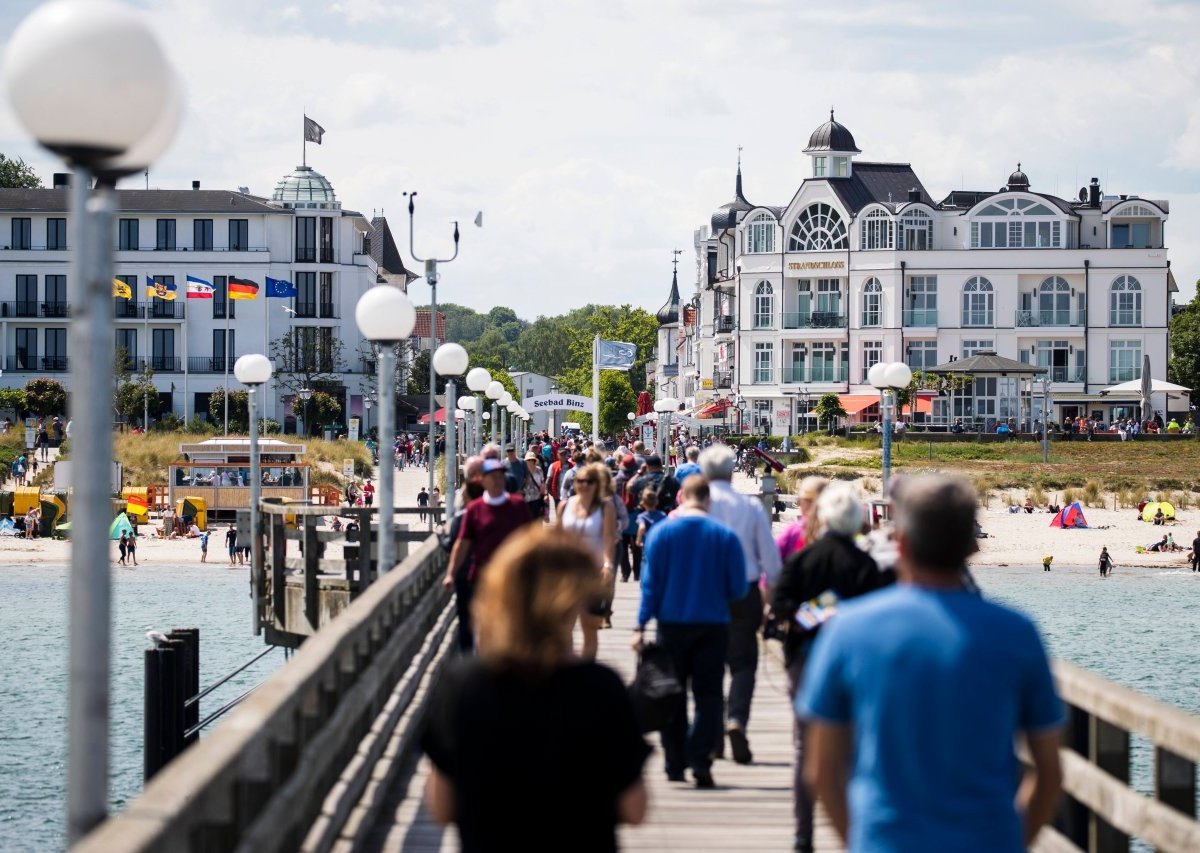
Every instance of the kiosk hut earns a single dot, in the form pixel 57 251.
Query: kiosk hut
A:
pixel 217 473
pixel 997 390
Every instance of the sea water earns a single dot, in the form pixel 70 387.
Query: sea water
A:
pixel 33 678
pixel 1135 628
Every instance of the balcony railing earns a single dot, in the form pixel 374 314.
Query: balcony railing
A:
pixel 33 364
pixel 1124 318
pixel 326 256
pixel 815 320
pixel 124 309
pixel 163 364
pixel 22 308
pixel 210 364
pixel 312 310
pixel 725 324
pixel 722 378
pixel 920 318
pixel 1066 374
pixel 817 373
pixel 1123 374
pixel 763 376
pixel 978 319
pixel 306 256
pixel 1065 318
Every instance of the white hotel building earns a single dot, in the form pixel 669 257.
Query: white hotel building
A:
pixel 301 234
pixel 863 265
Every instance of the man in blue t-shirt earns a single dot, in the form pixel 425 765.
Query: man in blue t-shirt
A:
pixel 913 696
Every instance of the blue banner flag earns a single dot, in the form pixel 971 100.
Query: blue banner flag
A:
pixel 280 287
pixel 616 355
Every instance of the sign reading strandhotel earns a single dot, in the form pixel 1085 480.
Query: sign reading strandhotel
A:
pixel 816 265
pixel 559 401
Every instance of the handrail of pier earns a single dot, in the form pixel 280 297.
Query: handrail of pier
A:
pixel 292 764
pixel 1100 811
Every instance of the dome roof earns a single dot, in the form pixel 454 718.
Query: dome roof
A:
pixel 304 186
pixel 727 214
pixel 1018 180
pixel 832 136
pixel 669 313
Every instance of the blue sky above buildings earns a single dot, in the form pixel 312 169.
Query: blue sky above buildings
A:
pixel 597 137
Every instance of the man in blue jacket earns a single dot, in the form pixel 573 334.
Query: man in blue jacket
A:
pixel 692 568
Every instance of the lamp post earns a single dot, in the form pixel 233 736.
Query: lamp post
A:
pixel 478 380
pixel 494 392
pixel 631 417
pixel 367 416
pixel 503 402
pixel 467 404
pixel 553 419
pixel 487 417
pixel 305 394
pixel 253 371
pixel 888 378
pixel 450 361
pixel 91 83
pixel 1045 419
pixel 386 317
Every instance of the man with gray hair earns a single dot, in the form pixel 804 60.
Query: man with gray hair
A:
pixel 746 517
pixel 914 697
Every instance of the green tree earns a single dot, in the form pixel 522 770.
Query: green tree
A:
pixel 544 347
pixel 45 397
pixel 1184 365
pixel 492 351
pixel 17 174
pixel 617 398
pixel 239 409
pixel 324 409
pixel 306 362
pixel 12 399
pixel 922 381
pixel 136 394
pixel 829 408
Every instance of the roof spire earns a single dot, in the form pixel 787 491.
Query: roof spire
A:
pixel 669 313
pixel 738 195
pixel 831 113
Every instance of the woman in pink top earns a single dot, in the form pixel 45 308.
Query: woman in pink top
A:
pixel 795 535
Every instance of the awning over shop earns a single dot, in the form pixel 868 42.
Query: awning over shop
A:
pixel 855 403
pixel 714 409
pixel 440 415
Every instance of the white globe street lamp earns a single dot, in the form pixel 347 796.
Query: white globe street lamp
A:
pixel 478 379
pixel 494 392
pixel 665 407
pixel 449 360
pixel 888 378
pixel 385 316
pixel 91 82
pixel 253 371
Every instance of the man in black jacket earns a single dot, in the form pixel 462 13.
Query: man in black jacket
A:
pixel 831 563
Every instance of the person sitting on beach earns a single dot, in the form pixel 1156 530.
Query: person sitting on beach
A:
pixel 1158 546
pixel 1054 509
pixel 1171 546
pixel 1028 505
pixel 1159 518
pixel 193 531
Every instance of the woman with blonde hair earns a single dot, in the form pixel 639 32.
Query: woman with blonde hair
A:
pixel 583 775
pixel 590 514
pixel 804 529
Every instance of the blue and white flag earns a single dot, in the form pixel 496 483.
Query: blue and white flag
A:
pixel 280 287
pixel 616 355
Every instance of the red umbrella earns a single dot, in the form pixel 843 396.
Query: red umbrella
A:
pixel 644 404
pixel 441 417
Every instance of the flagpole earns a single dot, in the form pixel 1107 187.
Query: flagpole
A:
pixel 145 402
pixel 596 390
pixel 304 141
pixel 225 351
pixel 267 349
pixel 185 364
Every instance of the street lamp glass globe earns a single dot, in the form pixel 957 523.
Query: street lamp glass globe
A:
pixel 478 379
pixel 512 407
pixel 450 359
pixel 629 416
pixel 898 375
pixel 504 399
pixel 495 390
pixel 367 404
pixel 150 147
pixel 385 315
pixel 666 404
pixel 87 79
pixel 467 404
pixel 305 394
pixel 487 416
pixel 253 369
pixel 877 375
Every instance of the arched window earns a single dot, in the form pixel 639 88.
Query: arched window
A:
pixel 1016 223
pixel 1054 302
pixel 877 231
pixel 818 228
pixel 764 305
pixel 760 234
pixel 1125 302
pixel 872 306
pixel 916 231
pixel 978 302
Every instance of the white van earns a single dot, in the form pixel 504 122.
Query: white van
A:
pixel 571 428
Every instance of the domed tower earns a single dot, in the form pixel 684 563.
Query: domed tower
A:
pixel 1018 181
pixel 305 188
pixel 668 334
pixel 832 150
pixel 727 215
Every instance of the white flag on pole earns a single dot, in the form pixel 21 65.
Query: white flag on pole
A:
pixel 616 355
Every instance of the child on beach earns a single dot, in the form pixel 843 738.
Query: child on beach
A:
pixel 204 547
pixel 1046 561
pixel 1105 562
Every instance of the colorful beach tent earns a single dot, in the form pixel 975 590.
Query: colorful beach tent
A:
pixel 7 527
pixel 1069 516
pixel 1151 509
pixel 121 522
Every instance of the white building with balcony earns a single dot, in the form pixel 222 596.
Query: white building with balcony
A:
pixel 300 234
pixel 862 265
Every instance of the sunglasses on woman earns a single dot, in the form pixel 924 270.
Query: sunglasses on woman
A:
pixel 582 482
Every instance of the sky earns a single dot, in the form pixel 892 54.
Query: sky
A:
pixel 596 137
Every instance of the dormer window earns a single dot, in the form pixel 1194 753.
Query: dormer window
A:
pixel 841 167
pixel 820 167
pixel 1016 223
pixel 1135 226
pixel 760 235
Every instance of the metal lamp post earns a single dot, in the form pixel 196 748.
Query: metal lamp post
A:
pixel 467 405
pixel 503 404
pixel 305 394
pixel 888 378
pixel 253 371
pixel 367 416
pixel 494 392
pixel 91 83
pixel 487 418
pixel 450 361
pixel 386 317
pixel 664 407
pixel 478 379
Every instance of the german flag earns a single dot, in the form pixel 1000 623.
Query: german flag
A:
pixel 242 288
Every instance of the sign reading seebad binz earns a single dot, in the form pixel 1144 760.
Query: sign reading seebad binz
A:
pixel 559 401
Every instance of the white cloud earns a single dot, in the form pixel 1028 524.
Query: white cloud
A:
pixel 597 137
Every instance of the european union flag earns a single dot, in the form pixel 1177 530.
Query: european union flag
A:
pixel 280 287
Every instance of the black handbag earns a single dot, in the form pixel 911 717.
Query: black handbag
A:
pixel 655 691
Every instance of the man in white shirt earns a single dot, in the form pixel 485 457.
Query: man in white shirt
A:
pixel 745 516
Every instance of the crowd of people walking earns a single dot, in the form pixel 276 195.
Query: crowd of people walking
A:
pixel 909 687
